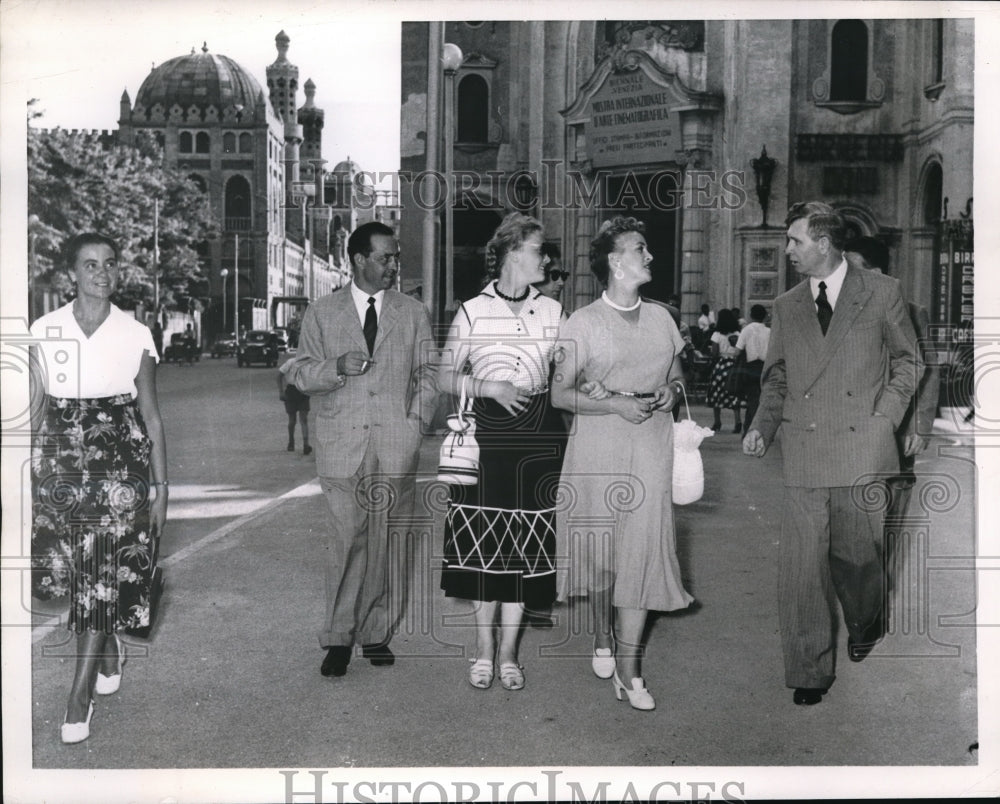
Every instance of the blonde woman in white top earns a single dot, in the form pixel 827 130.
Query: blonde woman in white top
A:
pixel 98 450
pixel 499 533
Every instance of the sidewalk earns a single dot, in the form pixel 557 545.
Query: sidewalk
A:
pixel 232 679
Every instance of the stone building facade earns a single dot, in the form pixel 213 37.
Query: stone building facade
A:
pixel 695 126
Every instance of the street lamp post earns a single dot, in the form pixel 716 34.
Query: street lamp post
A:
pixel 451 60
pixel 236 288
pixel 223 275
pixel 431 221
pixel 33 221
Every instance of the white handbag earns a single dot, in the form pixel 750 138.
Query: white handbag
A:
pixel 689 472
pixel 459 459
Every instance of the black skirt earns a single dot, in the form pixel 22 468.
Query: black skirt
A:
pixel 500 533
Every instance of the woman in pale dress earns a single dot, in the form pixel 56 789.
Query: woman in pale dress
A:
pixel 618 369
pixel 499 548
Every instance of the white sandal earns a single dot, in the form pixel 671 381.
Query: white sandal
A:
pixel 481 673
pixel 511 676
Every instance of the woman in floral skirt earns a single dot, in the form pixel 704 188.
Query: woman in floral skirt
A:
pixel 98 451
pixel 724 351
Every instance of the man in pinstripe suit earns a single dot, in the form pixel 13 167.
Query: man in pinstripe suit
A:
pixel 841 367
pixel 364 353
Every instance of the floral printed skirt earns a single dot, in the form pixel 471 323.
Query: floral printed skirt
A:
pixel 90 536
pixel 718 396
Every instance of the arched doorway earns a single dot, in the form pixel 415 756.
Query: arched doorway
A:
pixel 652 198
pixel 473 230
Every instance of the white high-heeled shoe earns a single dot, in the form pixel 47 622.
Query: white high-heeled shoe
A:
pixel 638 696
pixel 107 685
pixel 603 662
pixel 77 732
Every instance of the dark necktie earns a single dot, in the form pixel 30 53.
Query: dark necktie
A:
pixel 824 312
pixel 371 325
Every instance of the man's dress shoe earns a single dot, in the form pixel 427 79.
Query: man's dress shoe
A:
pixel 808 696
pixel 378 655
pixel 335 663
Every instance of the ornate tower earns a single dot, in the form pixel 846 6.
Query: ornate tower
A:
pixel 283 85
pixel 311 120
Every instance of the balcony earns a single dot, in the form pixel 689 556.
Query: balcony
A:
pixel 237 224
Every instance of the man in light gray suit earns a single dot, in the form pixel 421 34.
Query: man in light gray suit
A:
pixel 364 354
pixel 841 367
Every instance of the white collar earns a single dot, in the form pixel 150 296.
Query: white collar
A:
pixel 834 282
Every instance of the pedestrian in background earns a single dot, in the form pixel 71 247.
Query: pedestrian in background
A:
pixel 98 450
pixel 363 353
pixel 840 370
pixel 555 277
pixel 499 548
pixel 707 319
pixel 190 345
pixel 296 406
pixel 619 371
pixel 724 353
pixel 753 341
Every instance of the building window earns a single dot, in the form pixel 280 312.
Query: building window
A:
pixel 849 61
pixel 473 109
pixel 246 143
pixel 850 83
pixel 937 53
pixel 933 194
pixel 935 60
pixel 202 142
pixel 199 180
pixel 237 204
pixel 186 144
pixel 229 143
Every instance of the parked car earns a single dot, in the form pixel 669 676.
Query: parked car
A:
pixel 279 333
pixel 178 349
pixel 259 346
pixel 224 345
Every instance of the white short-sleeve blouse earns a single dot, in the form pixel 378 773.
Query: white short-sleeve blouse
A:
pixel 502 346
pixel 105 364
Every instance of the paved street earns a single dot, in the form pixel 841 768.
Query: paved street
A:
pixel 231 677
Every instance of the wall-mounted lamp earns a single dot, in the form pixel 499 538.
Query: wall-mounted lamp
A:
pixel 763 171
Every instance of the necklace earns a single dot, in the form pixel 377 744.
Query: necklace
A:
pixel 635 306
pixel 505 297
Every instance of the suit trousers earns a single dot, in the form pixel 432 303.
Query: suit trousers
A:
pixel 831 545
pixel 365 558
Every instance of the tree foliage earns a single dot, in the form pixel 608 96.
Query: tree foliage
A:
pixel 79 183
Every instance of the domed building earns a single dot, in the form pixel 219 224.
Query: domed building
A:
pixel 242 146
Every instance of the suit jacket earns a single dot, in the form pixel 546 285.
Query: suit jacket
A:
pixel 386 406
pixel 919 416
pixel 824 392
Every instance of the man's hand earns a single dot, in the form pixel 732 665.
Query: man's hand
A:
pixel 354 363
pixel 913 444
pixel 753 444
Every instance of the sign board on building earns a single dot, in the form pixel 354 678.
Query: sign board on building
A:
pixel 631 122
